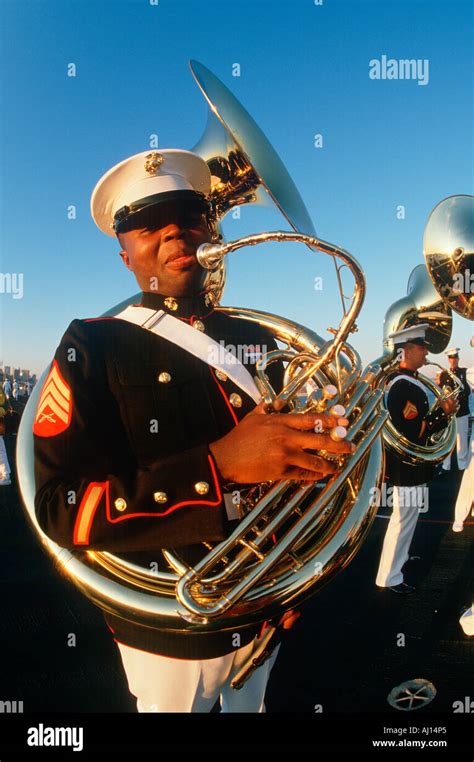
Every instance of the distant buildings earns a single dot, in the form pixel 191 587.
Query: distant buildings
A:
pixel 22 375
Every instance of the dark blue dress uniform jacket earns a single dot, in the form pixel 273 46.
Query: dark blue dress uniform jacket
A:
pixel 109 436
pixel 408 408
pixel 463 397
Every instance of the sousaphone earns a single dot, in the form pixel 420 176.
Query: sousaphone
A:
pixel 433 292
pixel 249 578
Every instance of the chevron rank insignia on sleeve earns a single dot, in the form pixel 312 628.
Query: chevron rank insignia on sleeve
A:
pixel 410 411
pixel 53 414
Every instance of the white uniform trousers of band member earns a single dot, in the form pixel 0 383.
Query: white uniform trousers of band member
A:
pixel 466 490
pixel 462 448
pixel 407 502
pixel 164 684
pixel 467 621
pixel 4 465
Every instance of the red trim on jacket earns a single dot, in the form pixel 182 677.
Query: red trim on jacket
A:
pixel 177 505
pixel 192 318
pixel 234 417
pixel 89 320
pixel 264 627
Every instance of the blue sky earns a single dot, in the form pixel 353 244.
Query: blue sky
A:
pixel 304 69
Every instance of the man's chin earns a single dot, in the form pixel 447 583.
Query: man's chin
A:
pixel 181 282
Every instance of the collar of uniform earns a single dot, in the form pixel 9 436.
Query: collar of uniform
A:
pixel 409 372
pixel 179 306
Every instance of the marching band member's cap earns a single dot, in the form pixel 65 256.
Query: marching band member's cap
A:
pixel 413 335
pixel 452 351
pixel 131 188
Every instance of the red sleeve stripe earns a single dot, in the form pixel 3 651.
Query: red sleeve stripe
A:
pixel 87 509
pixel 93 496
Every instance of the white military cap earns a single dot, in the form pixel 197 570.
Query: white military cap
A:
pixel 145 179
pixel 452 351
pixel 415 334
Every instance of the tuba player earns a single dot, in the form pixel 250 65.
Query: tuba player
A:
pixel 462 415
pixel 408 407
pixel 138 434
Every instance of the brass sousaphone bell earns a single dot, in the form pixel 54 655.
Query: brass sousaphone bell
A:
pixel 449 252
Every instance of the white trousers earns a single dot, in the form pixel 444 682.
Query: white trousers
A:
pixel 462 449
pixel 4 464
pixel 467 621
pixel 164 684
pixel 466 489
pixel 407 502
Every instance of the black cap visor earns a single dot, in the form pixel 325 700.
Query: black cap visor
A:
pixel 157 211
pixel 421 342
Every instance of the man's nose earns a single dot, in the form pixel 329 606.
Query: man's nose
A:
pixel 175 229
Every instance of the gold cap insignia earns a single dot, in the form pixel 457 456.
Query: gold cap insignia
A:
pixel 153 162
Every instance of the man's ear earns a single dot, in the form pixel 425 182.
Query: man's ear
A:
pixel 125 258
pixel 123 253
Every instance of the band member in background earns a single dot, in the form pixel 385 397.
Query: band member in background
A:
pixel 467 621
pixel 145 431
pixel 408 407
pixel 465 496
pixel 7 388
pixel 5 479
pixel 462 416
